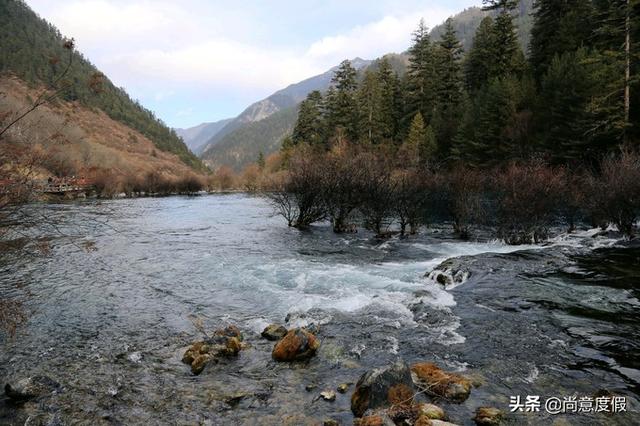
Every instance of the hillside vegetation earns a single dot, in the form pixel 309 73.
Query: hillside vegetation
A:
pixel 32 49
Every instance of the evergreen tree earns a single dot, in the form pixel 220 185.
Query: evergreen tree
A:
pixel 449 88
pixel 260 162
pixel 487 134
pixel 390 105
pixel 420 85
pixel 479 61
pixel 506 55
pixel 309 127
pixel 342 107
pixel 420 145
pixel 559 26
pixel 617 32
pixel 370 108
pixel 565 119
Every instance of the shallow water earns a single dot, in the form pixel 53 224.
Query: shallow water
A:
pixel 111 324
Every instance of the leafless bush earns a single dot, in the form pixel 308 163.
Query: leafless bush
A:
pixel 378 194
pixel 342 185
pixel 464 192
pixel 615 194
pixel 299 199
pixel 528 197
pixel 414 198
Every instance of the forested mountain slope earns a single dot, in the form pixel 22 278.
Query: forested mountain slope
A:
pixel 32 49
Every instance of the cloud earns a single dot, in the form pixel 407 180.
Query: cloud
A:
pixel 389 34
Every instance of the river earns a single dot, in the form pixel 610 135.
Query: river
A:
pixel 110 305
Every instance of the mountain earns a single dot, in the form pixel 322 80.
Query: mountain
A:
pixel 196 137
pixel 467 22
pixel 260 129
pixel 244 145
pixel 220 148
pixel 33 50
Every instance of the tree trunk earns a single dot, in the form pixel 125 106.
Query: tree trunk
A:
pixel 627 78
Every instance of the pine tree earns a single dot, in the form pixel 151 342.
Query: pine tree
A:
pixel 479 62
pixel 420 146
pixel 559 27
pixel 261 162
pixel 506 55
pixel 389 100
pixel 565 119
pixel 449 88
pixel 342 107
pixel 309 127
pixel 420 83
pixel 370 108
pixel 618 21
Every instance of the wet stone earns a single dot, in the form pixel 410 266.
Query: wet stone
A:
pixel 274 332
pixel 488 416
pixel 31 387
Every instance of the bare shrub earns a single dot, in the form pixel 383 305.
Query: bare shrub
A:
pixel 615 194
pixel 528 197
pixel 464 195
pixel 299 199
pixel 414 198
pixel 378 194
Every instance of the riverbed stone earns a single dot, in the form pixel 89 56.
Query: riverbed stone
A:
pixel 435 381
pixel 328 395
pixel 378 419
pixel 297 345
pixel 431 411
pixel 488 416
pixel 424 421
pixel 343 387
pixel 31 387
pixel 229 331
pixel 383 387
pixel 199 362
pixel 274 332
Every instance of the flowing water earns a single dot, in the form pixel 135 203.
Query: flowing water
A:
pixel 110 306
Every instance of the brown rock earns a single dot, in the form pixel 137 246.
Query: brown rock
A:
pixel 199 363
pixel 229 331
pixel 435 381
pixel 297 345
pixel 431 411
pixel 274 332
pixel 233 346
pixel 383 387
pixel 374 420
pixel 424 421
pixel 488 416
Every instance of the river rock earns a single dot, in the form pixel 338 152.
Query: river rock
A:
pixel 199 362
pixel 435 381
pixel 297 345
pixel 274 332
pixel 431 412
pixel 488 416
pixel 229 331
pixel 328 395
pixel 31 387
pixel 344 387
pixel 423 421
pixel 330 422
pixel 383 387
pixel 380 419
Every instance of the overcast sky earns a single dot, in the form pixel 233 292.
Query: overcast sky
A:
pixel 193 61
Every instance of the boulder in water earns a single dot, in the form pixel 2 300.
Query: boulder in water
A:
pixel 423 421
pixel 31 387
pixel 383 387
pixel 229 331
pixel 431 412
pixel 274 332
pixel 488 416
pixel 297 345
pixel 379 419
pixel 435 381
pixel 328 395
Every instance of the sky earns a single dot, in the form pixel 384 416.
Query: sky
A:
pixel 194 61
